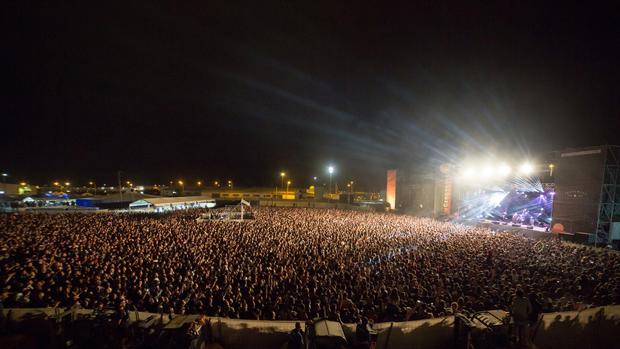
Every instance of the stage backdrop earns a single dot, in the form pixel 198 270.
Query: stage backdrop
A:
pixel 578 182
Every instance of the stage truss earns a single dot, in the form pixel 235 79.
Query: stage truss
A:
pixel 609 196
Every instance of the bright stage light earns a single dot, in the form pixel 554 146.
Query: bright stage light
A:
pixel 487 171
pixel 504 170
pixel 526 169
pixel 467 173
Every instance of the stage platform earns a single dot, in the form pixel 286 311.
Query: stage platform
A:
pixel 533 232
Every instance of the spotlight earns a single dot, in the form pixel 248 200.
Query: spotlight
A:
pixel 467 173
pixel 526 168
pixel 504 170
pixel 487 171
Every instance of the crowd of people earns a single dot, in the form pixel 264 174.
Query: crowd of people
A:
pixel 291 264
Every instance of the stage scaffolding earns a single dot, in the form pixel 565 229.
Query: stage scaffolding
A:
pixel 609 197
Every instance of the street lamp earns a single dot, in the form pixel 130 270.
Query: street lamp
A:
pixel 330 169
pixel 199 183
pixel 350 185
pixel 182 188
pixel 4 175
pixel 216 183
pixel 230 184
pixel 282 175
pixel 551 167
pixel 287 184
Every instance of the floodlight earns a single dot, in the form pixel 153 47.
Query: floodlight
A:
pixel 487 171
pixel 503 170
pixel 526 168
pixel 330 169
pixel 467 173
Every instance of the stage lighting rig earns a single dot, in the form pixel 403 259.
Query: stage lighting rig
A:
pixel 526 169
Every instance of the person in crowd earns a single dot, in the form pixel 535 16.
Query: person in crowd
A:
pixel 290 264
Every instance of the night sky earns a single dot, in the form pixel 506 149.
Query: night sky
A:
pixel 215 90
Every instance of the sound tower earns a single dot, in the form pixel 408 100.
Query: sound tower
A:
pixel 579 175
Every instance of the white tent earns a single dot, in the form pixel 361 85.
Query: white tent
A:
pixel 172 203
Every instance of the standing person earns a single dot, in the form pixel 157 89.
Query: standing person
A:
pixel 520 310
pixel 296 338
pixel 534 314
pixel 362 334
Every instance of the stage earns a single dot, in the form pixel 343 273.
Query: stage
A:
pixel 533 232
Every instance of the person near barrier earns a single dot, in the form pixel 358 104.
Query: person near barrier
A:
pixel 520 311
pixel 362 334
pixel 296 337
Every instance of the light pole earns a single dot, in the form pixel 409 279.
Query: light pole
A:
pixel 282 175
pixel 287 184
pixel 4 175
pixel 182 188
pixel 230 184
pixel 349 198
pixel 351 192
pixel 330 169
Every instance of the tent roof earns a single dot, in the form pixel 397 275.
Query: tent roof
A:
pixel 171 200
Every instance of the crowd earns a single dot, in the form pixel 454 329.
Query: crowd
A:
pixel 291 264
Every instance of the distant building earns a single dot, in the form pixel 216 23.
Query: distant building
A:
pixel 252 193
pixel 9 189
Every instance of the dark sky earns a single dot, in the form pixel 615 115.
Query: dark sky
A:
pixel 165 90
